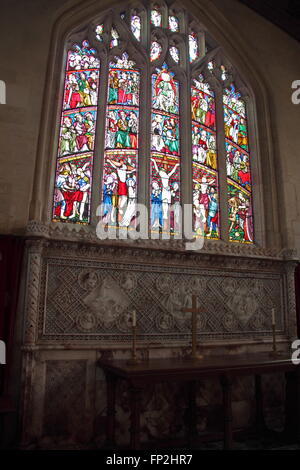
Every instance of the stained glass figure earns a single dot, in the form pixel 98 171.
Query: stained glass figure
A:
pixel 224 74
pixel 203 105
pixel 165 153
pixel 165 193
pixel 82 58
pixel 122 128
pixel 204 146
pixel 119 188
pixel 123 87
pixel 240 214
pixel 173 24
pixel 235 128
pixel 156 17
pixel 165 134
pixel 114 38
pixel 235 118
pixel 200 84
pixel 210 66
pixel 136 26
pixel 193 47
pixel 99 32
pixel 204 153
pixel 121 143
pixel 72 193
pixel 122 62
pixel 205 202
pixel 174 52
pixel 233 100
pixel 165 91
pixel 81 89
pixel 155 51
pixel 238 167
pixel 77 132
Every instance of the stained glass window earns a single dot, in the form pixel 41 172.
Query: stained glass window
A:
pixel 238 167
pixel 165 152
pixel 210 66
pixel 204 152
pixel 121 143
pixel 155 51
pixel 173 24
pixel 193 47
pixel 174 51
pixel 114 38
pixel 72 195
pixel 156 17
pixel 99 32
pixel 153 149
pixel 136 26
pixel 224 74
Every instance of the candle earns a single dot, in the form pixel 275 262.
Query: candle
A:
pixel 133 318
pixel 273 316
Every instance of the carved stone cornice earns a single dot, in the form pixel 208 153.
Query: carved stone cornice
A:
pixel 82 241
pixel 35 228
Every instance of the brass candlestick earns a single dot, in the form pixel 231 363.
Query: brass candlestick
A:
pixel 133 359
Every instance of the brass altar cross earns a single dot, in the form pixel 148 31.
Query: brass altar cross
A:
pixel 194 310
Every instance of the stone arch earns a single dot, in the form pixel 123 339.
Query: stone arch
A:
pixel 268 231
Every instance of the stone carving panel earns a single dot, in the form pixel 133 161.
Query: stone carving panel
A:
pixel 85 299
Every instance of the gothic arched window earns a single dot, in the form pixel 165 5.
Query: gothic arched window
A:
pixel 153 112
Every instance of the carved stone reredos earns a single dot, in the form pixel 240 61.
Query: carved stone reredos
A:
pixel 86 292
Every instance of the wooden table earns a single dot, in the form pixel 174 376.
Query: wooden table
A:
pixel 190 371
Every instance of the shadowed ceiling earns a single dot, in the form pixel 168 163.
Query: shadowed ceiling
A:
pixel 282 13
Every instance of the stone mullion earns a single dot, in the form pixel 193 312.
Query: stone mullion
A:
pixel 145 125
pixel 144 137
pixel 222 178
pixel 98 162
pixel 202 44
pixel 186 130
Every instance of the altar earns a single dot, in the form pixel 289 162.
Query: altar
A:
pixel 141 374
